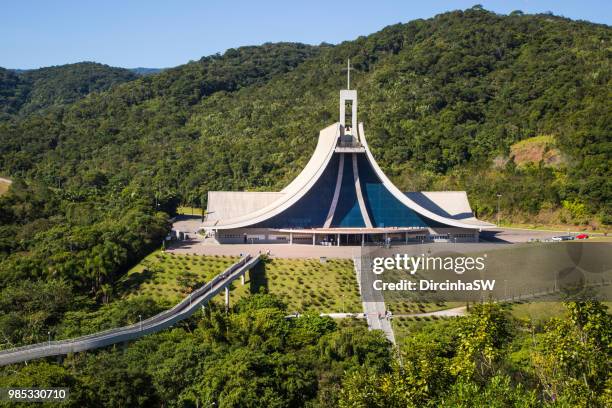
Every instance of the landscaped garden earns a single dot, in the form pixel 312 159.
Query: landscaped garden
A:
pixel 303 284
pixel 306 284
pixel 169 277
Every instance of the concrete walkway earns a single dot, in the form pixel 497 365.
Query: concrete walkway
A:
pixel 165 319
pixel 373 303
pixel 197 247
pixel 457 311
pixel 345 315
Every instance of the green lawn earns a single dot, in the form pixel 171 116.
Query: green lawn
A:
pixel 540 311
pixel 189 211
pixel 170 277
pixel 304 284
pixel 405 302
pixel 537 311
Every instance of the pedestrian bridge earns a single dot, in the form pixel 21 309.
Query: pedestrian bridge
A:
pixel 163 320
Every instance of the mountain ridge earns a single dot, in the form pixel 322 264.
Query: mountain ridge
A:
pixel 441 99
pixel 28 91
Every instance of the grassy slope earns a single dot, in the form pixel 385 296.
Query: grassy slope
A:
pixel 536 149
pixel 541 311
pixel 169 277
pixel 305 285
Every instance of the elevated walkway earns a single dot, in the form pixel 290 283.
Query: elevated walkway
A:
pixel 163 320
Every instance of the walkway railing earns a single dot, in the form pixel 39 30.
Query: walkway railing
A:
pixel 165 319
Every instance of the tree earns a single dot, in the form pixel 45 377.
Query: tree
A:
pixel 482 337
pixel 572 358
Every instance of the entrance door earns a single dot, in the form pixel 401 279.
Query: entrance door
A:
pixel 352 239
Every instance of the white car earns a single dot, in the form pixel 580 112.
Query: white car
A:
pixel 563 238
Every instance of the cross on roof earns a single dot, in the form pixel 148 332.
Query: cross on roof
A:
pixel 348 73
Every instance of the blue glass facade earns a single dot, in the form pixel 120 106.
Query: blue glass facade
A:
pixel 311 211
pixel 347 212
pixel 384 209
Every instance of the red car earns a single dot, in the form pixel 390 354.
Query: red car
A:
pixel 582 236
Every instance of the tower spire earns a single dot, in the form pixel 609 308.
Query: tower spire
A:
pixel 348 74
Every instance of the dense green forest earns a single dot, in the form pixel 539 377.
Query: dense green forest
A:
pixel 101 157
pixel 444 100
pixel 255 357
pixel 27 91
pixel 441 99
pixel 109 202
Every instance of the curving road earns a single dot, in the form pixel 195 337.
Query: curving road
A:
pixel 161 321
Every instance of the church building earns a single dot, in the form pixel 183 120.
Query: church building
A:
pixel 341 197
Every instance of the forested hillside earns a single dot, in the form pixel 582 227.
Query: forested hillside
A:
pixel 27 91
pixel 444 102
pixel 101 157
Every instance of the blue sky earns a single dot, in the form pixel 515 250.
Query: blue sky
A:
pixel 167 33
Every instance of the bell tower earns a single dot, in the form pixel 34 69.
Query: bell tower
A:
pixel 348 95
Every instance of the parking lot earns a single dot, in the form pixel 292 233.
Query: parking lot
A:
pixel 515 235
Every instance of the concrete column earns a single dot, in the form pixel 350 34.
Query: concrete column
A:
pixel 362 239
pixel 406 234
pixel 226 298
pixel 354 117
pixel 338 243
pixel 291 238
pixel 314 238
pixel 242 278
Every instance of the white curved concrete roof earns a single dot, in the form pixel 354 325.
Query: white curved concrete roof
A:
pixel 467 223
pixel 229 210
pixel 225 205
pixel 295 190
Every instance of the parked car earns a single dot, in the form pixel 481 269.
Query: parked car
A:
pixel 563 238
pixel 582 236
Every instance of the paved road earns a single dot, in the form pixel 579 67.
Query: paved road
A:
pixel 520 235
pixel 187 223
pixel 373 301
pixel 457 311
pixel 181 311
pixel 197 247
pixel 345 315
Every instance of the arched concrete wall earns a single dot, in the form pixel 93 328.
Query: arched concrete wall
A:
pixel 296 189
pixel 471 223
